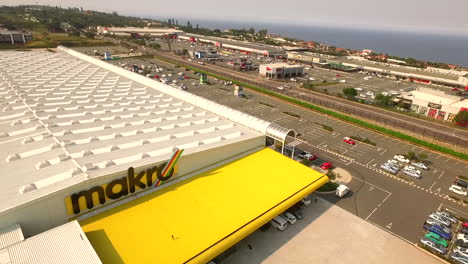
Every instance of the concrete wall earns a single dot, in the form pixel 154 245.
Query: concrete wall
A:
pixel 50 211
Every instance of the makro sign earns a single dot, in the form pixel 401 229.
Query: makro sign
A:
pixel 118 188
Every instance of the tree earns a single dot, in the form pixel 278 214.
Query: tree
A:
pixel 197 27
pixel 169 38
pixel 262 32
pixel 461 119
pixel 185 52
pixel 422 156
pixel 401 104
pixel 381 99
pixel 90 34
pixel 350 92
pixel 411 155
pixel 115 13
pixel 177 22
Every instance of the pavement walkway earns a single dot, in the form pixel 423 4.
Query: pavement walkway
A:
pixel 342 176
pixel 327 234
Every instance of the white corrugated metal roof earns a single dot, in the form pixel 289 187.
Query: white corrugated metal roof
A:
pixel 66 244
pixel 10 235
pixel 65 118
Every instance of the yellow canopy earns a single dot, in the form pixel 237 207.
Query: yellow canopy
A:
pixel 195 220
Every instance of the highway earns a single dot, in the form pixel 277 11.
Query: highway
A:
pixel 425 129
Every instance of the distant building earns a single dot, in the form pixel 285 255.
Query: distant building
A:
pixel 435 103
pixel 14 37
pixel 366 52
pixel 280 70
pixel 127 31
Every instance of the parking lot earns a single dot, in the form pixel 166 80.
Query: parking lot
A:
pixel 445 234
pixel 416 197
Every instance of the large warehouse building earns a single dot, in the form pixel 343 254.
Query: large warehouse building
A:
pixel 280 70
pixel 139 164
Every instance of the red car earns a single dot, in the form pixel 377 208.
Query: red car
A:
pixel 454 89
pixel 338 75
pixel 349 141
pixel 326 166
pixel 186 77
pixel 465 224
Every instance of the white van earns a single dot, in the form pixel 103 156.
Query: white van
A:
pixel 279 223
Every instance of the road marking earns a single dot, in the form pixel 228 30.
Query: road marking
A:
pixel 369 162
pixel 430 188
pixel 441 174
pixel 389 226
pixel 383 152
pixel 375 209
pixel 371 188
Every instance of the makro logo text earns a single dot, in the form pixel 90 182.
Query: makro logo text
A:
pixel 121 187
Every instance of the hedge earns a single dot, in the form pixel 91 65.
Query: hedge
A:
pixel 335 114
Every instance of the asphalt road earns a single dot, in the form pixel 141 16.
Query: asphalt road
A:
pixel 398 204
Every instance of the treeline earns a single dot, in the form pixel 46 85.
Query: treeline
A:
pixel 48 18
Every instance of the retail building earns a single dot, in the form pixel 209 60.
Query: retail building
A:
pixel 138 163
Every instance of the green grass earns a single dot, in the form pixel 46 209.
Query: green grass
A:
pixel 341 116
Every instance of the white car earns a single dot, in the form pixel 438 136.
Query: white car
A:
pixel 394 92
pixel 411 168
pixel 369 93
pixel 412 174
pixel 384 93
pixel 306 200
pixel 311 79
pixel 461 251
pixel 279 223
pixel 458 190
pixel 289 217
pixel 401 158
pixel 358 89
pixel 420 165
pixel 280 87
pixel 462 237
pixel 440 219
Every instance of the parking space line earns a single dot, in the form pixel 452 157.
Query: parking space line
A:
pixel 367 164
pixel 441 174
pixel 430 188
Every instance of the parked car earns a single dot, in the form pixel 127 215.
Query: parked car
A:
pixel 392 165
pixel 306 200
pixel 464 230
pixel 279 223
pixel 462 237
pixel 420 165
pixel 326 166
pixel 461 183
pixel 435 222
pixel 389 169
pixel 461 243
pixel 401 158
pixel 432 245
pixel 349 141
pixel 436 238
pixel 289 217
pixel 459 258
pixel 412 174
pixel 411 168
pixel 297 212
pixel 461 251
pixel 448 216
pixel 458 190
pixel 439 218
pixel 307 155
pixel 440 230
pixel 465 224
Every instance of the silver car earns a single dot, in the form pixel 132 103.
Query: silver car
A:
pixel 412 174
pixel 434 246
pixel 447 216
pixel 439 218
pixel 389 169
pixel 420 165
pixel 431 221
pixel 459 258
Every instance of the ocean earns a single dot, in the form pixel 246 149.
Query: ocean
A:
pixel 452 49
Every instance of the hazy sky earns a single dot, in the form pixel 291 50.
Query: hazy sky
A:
pixel 408 15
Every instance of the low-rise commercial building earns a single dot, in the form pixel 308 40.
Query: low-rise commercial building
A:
pixel 281 70
pixel 434 103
